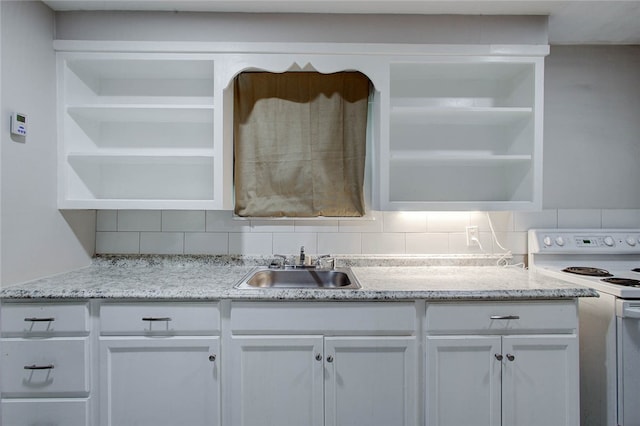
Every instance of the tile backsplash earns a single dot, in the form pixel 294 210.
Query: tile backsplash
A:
pixel 394 233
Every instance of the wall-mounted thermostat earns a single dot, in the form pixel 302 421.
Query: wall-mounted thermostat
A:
pixel 19 124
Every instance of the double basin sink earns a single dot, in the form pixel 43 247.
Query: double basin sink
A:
pixel 299 278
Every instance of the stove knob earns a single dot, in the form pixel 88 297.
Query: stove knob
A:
pixel 609 241
pixel 560 241
pixel 631 241
pixel 547 241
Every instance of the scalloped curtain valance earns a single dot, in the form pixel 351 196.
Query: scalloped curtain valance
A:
pixel 300 144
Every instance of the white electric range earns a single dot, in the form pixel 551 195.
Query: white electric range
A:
pixel 607 260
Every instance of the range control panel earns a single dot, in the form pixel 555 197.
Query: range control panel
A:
pixel 584 241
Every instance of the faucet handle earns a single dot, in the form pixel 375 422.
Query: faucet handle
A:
pixel 320 258
pixel 280 259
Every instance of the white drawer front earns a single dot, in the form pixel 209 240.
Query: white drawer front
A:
pixel 502 317
pixel 44 318
pixel 369 318
pixel 36 412
pixel 159 318
pixel 53 366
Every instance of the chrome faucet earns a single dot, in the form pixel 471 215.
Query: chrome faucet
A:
pixel 302 256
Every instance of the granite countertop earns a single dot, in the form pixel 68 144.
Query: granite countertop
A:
pixel 214 277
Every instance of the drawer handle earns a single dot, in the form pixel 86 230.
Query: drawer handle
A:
pixel 156 318
pixel 505 317
pixel 35 319
pixel 38 367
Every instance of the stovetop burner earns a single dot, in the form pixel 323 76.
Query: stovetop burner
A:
pixel 627 282
pixel 585 270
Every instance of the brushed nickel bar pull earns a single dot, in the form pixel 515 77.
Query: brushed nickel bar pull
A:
pixel 156 318
pixel 39 367
pixel 35 319
pixel 504 317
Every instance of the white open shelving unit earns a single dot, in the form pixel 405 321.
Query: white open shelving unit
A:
pixel 137 131
pixel 454 127
pixel 464 134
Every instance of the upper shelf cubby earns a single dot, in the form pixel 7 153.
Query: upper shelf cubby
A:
pixel 137 79
pixel 460 85
pixel 464 134
pixel 137 131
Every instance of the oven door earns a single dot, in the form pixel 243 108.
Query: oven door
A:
pixel 628 336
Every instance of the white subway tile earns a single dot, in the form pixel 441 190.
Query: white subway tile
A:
pixel 385 243
pixel 139 220
pixel 117 242
pixel 315 225
pixel 162 242
pixel 458 244
pixel 404 221
pixel 206 243
pixel 223 221
pixel 251 243
pixel 621 218
pixel 502 221
pixel 339 243
pixel 107 220
pixel 279 225
pixel 373 223
pixel 448 221
pixel 290 242
pixel 530 220
pixel 514 241
pixel 579 218
pixel 427 243
pixel 183 221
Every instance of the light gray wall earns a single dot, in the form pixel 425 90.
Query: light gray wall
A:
pixel 36 239
pixel 592 127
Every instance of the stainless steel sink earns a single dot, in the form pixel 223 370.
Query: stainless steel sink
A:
pixel 310 278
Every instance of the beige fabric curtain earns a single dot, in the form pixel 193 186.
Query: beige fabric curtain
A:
pixel 300 144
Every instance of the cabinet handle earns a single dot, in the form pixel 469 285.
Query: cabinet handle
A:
pixel 499 357
pixel 511 357
pixel 38 367
pixel 212 357
pixel 504 317
pixel 329 358
pixel 156 318
pixel 318 357
pixel 34 319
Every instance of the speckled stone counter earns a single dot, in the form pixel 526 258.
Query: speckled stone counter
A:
pixel 214 277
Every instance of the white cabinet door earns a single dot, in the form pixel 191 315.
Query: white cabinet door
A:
pixel 540 381
pixel 276 381
pixel 463 381
pixel 159 381
pixel 370 381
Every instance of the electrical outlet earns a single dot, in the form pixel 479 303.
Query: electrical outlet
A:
pixel 473 236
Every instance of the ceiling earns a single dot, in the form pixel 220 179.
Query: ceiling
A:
pixel 570 21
